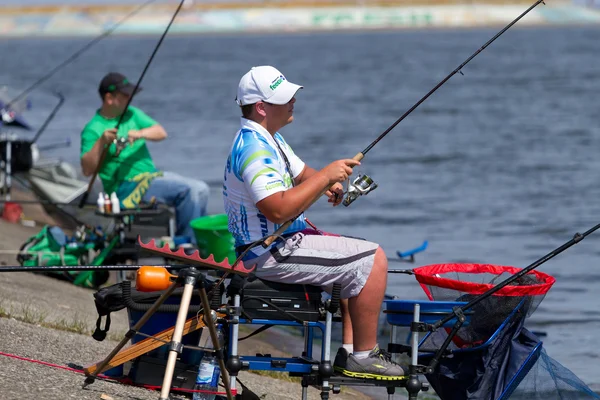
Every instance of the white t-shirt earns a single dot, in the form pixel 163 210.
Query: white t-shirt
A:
pixel 255 170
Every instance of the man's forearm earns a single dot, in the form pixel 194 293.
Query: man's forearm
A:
pixel 306 173
pixel 91 159
pixel 286 205
pixel 299 198
pixel 154 133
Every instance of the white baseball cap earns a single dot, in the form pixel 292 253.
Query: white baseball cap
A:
pixel 265 83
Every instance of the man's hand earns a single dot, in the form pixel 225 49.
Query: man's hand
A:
pixel 134 135
pixel 335 194
pixel 340 170
pixel 109 136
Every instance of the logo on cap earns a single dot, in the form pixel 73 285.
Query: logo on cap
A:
pixel 276 82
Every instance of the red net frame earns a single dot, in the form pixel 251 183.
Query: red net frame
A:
pixel 426 276
pixel 464 282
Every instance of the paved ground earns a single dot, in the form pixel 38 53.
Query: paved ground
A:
pixel 33 302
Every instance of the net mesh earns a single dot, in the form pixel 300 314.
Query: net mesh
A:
pixel 549 380
pixel 7 95
pixel 495 357
pixel 464 282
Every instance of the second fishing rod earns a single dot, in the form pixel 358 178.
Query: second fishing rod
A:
pixel 363 184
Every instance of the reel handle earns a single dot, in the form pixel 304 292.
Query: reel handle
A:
pixel 269 240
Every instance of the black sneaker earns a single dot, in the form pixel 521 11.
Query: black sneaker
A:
pixel 378 365
pixel 339 364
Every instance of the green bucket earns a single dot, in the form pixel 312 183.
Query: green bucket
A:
pixel 213 237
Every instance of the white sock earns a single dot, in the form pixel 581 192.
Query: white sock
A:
pixel 361 354
pixel 349 347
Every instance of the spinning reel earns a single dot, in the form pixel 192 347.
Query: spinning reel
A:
pixel 120 144
pixel 362 185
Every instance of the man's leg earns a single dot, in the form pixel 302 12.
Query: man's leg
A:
pixel 174 194
pixel 199 192
pixel 347 336
pixel 347 348
pixel 364 309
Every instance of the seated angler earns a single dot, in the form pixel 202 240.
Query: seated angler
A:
pixel 267 184
pixel 131 173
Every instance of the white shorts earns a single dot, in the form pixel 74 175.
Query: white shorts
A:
pixel 319 260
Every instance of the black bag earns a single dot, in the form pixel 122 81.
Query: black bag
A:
pixel 262 299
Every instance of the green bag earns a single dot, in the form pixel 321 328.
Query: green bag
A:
pixel 49 247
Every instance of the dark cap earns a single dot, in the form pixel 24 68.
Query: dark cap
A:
pixel 116 82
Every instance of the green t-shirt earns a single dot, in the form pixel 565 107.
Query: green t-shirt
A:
pixel 133 160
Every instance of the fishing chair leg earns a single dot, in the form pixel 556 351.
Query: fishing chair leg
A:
pixel 308 338
pixel 391 391
pixel 414 385
pixel 304 384
pixel 234 364
pixel 326 369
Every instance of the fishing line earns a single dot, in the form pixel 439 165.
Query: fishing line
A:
pixel 76 54
pixel 105 150
pixel 361 155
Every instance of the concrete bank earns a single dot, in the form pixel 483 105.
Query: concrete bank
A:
pixel 73 20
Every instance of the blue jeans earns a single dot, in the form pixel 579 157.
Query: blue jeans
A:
pixel 188 196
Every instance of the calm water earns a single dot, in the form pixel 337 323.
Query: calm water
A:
pixel 499 166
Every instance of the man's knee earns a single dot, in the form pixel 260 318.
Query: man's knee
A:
pixel 381 261
pixel 200 189
pixel 379 269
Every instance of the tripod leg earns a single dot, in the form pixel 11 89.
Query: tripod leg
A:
pixel 91 378
pixel 213 335
pixel 175 346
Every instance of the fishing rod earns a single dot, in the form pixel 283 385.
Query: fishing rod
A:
pixel 76 54
pixel 58 268
pixel 363 182
pixel 137 85
pixel 61 100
